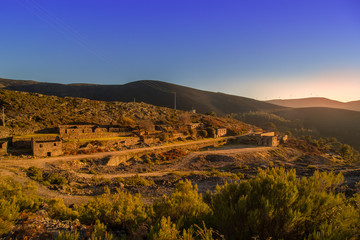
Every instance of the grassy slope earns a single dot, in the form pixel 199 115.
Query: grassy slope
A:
pixel 327 122
pixel 32 111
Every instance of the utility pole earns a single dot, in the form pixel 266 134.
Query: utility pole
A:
pixel 3 116
pixel 174 100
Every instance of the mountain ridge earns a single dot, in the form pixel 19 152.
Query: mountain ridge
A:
pixel 316 102
pixel 149 91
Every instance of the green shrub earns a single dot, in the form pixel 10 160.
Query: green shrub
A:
pixel 164 230
pixel 58 210
pixel 15 198
pixel 66 235
pixel 185 205
pixel 9 212
pixel 55 179
pixel 35 173
pixel 121 210
pixel 100 232
pixel 136 181
pixel 278 205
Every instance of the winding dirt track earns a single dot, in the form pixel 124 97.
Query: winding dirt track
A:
pixel 42 162
pixel 9 166
pixel 236 149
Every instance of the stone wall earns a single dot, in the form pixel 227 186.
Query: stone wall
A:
pixel 220 132
pixel 47 148
pixel 92 131
pixel 271 141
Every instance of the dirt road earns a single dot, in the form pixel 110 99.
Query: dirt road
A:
pixel 42 162
pixel 232 149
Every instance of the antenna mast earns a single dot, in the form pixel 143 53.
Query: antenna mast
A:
pixel 3 116
pixel 174 100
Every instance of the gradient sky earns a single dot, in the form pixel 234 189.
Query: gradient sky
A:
pixel 259 49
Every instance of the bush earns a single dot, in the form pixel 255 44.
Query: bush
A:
pixel 136 181
pixel 55 179
pixel 58 210
pixel 100 233
pixel 121 210
pixel 278 205
pixel 14 199
pixel 35 173
pixel 185 205
pixel 65 235
pixel 165 230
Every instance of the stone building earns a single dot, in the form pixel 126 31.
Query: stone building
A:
pixel 271 141
pixel 268 139
pixel 3 148
pixel 47 148
pixel 220 132
pixel 75 129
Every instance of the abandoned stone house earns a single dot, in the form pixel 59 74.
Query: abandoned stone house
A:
pixel 47 148
pixel 21 142
pixel 220 132
pixel 3 148
pixel 270 139
pixel 78 131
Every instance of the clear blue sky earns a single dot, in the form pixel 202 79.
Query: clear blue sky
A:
pixel 260 49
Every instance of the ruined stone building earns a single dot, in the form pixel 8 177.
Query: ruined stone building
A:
pixel 47 148
pixel 270 139
pixel 220 132
pixel 91 130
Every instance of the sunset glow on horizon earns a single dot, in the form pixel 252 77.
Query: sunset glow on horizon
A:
pixel 258 49
pixel 341 86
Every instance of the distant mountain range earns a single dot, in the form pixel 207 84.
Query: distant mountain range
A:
pixel 316 102
pixel 149 91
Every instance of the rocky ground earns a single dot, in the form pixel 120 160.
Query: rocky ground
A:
pixel 154 175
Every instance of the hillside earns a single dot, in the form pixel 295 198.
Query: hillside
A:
pixel 31 112
pixel 153 92
pixel 316 102
pixel 327 122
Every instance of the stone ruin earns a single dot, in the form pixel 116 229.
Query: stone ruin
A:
pixel 47 148
pixel 270 139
